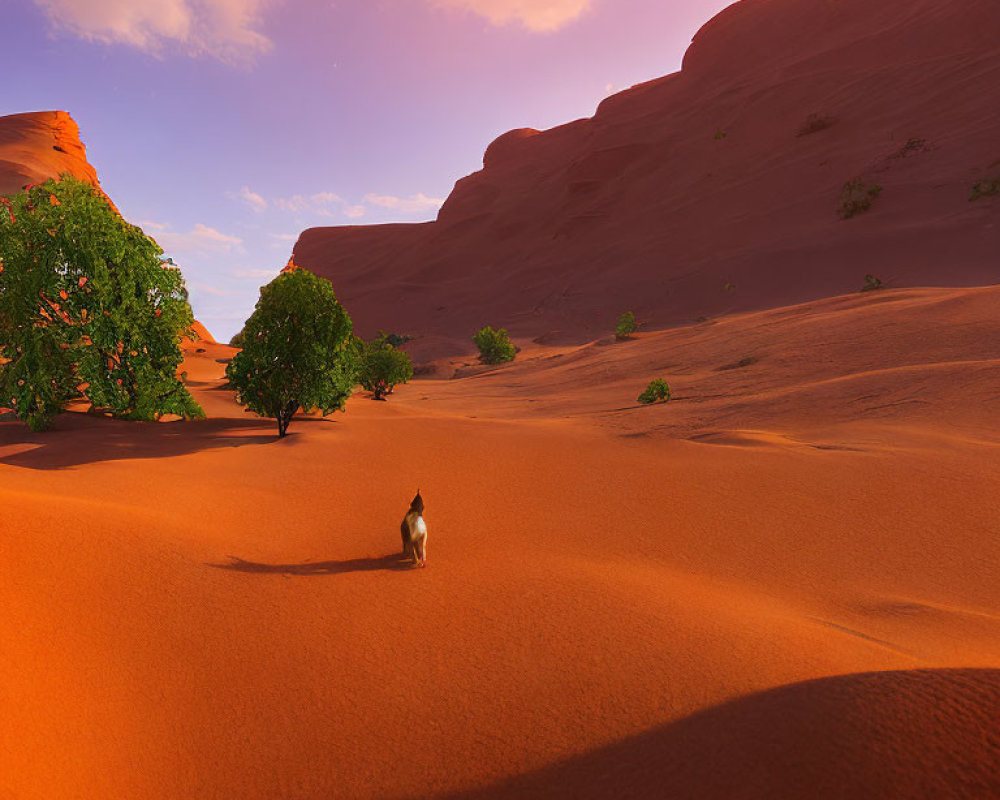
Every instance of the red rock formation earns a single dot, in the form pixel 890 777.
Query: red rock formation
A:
pixel 41 145
pixel 204 337
pixel 46 144
pixel 716 188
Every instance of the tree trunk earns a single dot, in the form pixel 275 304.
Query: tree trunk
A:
pixel 285 417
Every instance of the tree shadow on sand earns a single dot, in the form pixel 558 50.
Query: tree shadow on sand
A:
pixel 77 439
pixel 903 734
pixel 394 562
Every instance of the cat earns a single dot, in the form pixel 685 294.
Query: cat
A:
pixel 414 532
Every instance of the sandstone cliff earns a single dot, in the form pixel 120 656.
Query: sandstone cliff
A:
pixel 717 188
pixel 41 145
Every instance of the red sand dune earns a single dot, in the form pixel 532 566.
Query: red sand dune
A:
pixel 642 207
pixel 782 584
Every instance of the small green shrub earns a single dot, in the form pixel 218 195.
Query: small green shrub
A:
pixel 394 339
pixel 872 284
pixel 720 135
pixel 729 286
pixel 494 345
pixel 626 325
pixel 237 340
pixel 985 188
pixel 657 391
pixel 857 197
pixel 381 367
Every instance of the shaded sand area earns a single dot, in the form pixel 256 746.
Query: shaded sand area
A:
pixel 782 584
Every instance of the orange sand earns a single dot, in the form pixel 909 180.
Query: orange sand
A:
pixel 782 584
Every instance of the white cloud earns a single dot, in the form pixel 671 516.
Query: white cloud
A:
pixel 538 16
pixel 228 30
pixel 207 289
pixel 200 240
pixel 326 198
pixel 414 204
pixel 281 241
pixel 333 206
pixel 318 203
pixel 254 274
pixel 252 199
pixel 296 202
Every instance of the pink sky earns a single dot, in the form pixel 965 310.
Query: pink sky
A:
pixel 225 127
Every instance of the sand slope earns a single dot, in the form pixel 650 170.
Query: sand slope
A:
pixel 715 189
pixel 750 600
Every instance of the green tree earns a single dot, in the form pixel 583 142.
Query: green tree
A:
pixel 626 325
pixel 656 391
pixel 87 308
pixel 494 345
pixel 381 366
pixel 295 350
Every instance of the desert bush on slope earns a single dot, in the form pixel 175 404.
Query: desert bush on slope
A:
pixel 857 197
pixel 657 391
pixel 494 345
pixel 626 325
pixel 872 283
pixel 985 188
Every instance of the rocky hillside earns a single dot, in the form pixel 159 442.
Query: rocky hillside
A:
pixel 40 145
pixel 718 188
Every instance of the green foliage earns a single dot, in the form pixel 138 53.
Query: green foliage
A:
pixel 857 197
pixel 381 366
pixel 295 350
pixel 237 340
pixel 87 307
pixel 626 325
pixel 494 345
pixel 985 188
pixel 394 339
pixel 720 134
pixel 658 390
pixel 872 284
